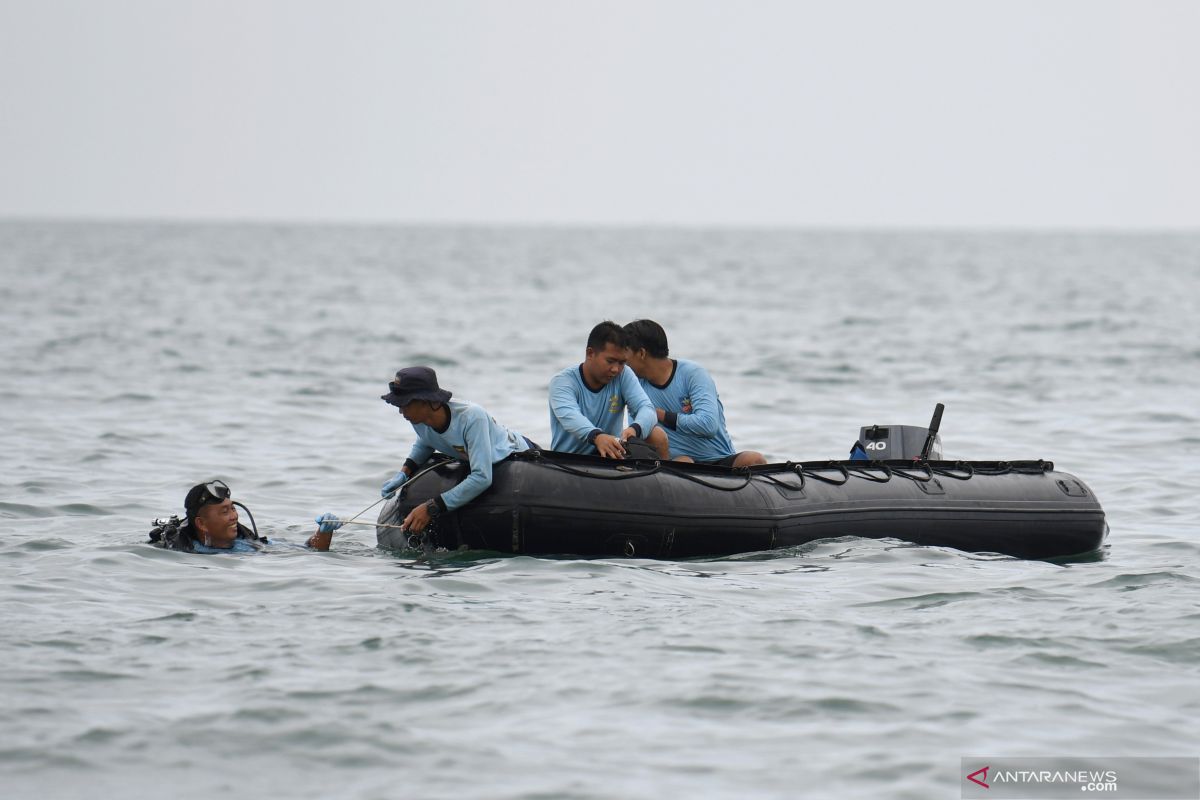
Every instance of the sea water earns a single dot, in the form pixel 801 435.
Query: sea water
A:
pixel 139 359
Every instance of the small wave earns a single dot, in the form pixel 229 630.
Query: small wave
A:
pixel 129 397
pixel 113 436
pixel 431 360
pixel 1059 660
pixel 1171 418
pixel 273 372
pixel 43 545
pixel 1184 651
pixel 922 601
pixel 92 675
pixel 684 648
pixel 991 640
pixel 269 714
pixel 59 644
pixel 99 736
pixel 42 758
pixel 21 510
pixel 179 616
pixel 1129 582
pixel 853 705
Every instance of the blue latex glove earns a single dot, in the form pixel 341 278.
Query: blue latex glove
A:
pixel 395 483
pixel 328 523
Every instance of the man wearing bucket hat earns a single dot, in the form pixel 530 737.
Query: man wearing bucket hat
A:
pixel 460 429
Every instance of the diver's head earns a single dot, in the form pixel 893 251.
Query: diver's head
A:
pixel 211 514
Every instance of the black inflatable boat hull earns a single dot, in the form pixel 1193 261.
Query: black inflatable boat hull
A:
pixel 543 503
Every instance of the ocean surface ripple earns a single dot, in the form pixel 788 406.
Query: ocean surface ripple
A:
pixel 140 359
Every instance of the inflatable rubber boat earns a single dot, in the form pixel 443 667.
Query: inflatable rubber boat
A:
pixel 550 503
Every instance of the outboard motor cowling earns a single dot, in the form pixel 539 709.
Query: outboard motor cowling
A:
pixel 894 443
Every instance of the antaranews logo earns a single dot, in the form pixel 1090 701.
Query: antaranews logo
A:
pixel 979 776
pixel 1051 778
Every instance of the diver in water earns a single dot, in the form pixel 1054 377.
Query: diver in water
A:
pixel 211 525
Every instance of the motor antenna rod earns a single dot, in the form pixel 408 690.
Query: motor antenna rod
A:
pixel 934 425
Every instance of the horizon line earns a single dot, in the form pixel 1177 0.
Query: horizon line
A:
pixel 681 225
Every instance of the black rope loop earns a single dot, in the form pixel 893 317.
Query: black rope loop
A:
pixel 917 478
pixel 862 473
pixel 772 479
pixel 697 479
pixel 799 470
pixel 620 477
pixel 764 472
pixel 953 472
pixel 831 465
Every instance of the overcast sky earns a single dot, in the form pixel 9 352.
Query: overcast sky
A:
pixel 1077 113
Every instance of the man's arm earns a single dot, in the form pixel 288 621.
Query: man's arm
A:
pixel 641 411
pixel 326 524
pixel 565 408
pixel 705 417
pixel 477 437
pixel 419 454
pixel 478 442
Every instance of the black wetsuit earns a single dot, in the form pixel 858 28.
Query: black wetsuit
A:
pixel 177 534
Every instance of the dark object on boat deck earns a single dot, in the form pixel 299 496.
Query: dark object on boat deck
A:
pixel 934 425
pixel 544 503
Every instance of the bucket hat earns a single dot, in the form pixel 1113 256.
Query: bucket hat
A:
pixel 414 383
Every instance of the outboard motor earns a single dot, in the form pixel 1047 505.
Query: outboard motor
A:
pixel 899 442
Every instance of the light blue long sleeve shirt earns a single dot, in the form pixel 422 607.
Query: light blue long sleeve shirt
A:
pixel 576 409
pixel 472 436
pixel 697 428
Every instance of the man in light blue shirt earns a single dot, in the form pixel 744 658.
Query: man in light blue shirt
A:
pixel 588 401
pixel 457 428
pixel 685 399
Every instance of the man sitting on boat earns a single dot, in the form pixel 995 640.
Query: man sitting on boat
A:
pixel 211 525
pixel 588 402
pixel 460 429
pixel 685 400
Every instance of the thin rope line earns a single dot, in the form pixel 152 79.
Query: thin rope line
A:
pixel 365 510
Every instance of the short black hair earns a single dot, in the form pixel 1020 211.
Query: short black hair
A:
pixel 607 332
pixel 648 334
pixel 191 503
